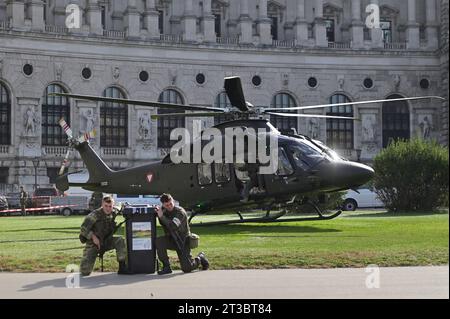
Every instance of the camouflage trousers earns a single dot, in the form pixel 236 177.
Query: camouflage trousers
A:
pixel 163 243
pixel 90 253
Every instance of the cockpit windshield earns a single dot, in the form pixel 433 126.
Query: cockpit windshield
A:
pixel 306 154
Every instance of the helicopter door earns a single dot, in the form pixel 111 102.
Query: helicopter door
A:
pixel 279 182
pixel 248 181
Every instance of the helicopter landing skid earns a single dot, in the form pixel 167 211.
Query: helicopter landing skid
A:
pixel 268 218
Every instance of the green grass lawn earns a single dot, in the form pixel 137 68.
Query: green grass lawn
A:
pixel 49 243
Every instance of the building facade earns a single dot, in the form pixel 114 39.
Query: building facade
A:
pixel 287 52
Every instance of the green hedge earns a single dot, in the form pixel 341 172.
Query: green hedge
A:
pixel 412 176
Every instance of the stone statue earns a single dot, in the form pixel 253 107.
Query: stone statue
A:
pixel 314 128
pixel 144 130
pixel 89 121
pixel 396 80
pixel 31 122
pixel 368 128
pixel 116 72
pixel 426 127
pixel 341 81
pixel 58 71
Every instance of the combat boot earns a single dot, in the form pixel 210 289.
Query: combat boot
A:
pixel 203 261
pixel 123 269
pixel 165 270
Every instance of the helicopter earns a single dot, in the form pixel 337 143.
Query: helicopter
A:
pixel 304 165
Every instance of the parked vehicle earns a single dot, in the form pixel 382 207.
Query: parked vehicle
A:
pixel 71 204
pixel 14 200
pixel 366 198
pixel 41 196
pixel 3 203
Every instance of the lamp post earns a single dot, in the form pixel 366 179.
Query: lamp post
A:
pixel 35 164
pixel 358 154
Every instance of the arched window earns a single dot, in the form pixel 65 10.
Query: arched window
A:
pixel 5 116
pixel 113 120
pixel 395 120
pixel 340 132
pixel 222 101
pixel 282 123
pixel 53 109
pixel 167 124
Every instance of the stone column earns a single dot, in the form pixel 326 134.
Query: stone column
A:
pixel 132 20
pixel 412 31
pixel 264 24
pixel 431 24
pixel 209 33
pixel 189 22
pixel 301 26
pixel 357 25
pixel 37 15
pixel 245 24
pixel 152 19
pixel 16 11
pixel 320 33
pixel 94 18
pixel 377 33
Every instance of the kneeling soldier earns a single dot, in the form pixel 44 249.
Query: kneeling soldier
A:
pixel 174 221
pixel 97 232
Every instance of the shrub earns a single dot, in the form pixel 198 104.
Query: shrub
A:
pixel 412 175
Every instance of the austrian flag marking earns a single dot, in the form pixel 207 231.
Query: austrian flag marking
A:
pixel 149 177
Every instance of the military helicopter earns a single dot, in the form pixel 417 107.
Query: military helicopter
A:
pixel 304 165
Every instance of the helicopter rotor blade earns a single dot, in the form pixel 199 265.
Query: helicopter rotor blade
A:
pixel 195 114
pixel 66 128
pixel 87 136
pixel 139 102
pixel 233 88
pixel 350 103
pixel 65 163
pixel 313 115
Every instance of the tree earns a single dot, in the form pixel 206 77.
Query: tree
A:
pixel 412 175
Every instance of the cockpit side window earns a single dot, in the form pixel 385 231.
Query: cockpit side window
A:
pixel 305 155
pixel 204 174
pixel 284 166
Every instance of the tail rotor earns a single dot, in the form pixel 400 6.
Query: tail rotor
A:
pixel 72 142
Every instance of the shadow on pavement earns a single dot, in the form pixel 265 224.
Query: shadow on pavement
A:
pixel 98 281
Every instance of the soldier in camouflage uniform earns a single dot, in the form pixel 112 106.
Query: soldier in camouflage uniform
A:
pixel 174 221
pixel 97 232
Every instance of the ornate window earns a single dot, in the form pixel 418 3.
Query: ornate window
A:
pixel 284 124
pixel 222 101
pixel 5 116
pixel 167 124
pixel 339 131
pixel 395 120
pixel 53 109
pixel 332 18
pixel 275 13
pixel 113 120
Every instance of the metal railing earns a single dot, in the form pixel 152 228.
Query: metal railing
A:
pixel 56 29
pixel 4 25
pixel 226 40
pixel 114 34
pixel 114 151
pixel 339 45
pixel 171 38
pixel 4 149
pixel 395 45
pixel 55 150
pixel 284 43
